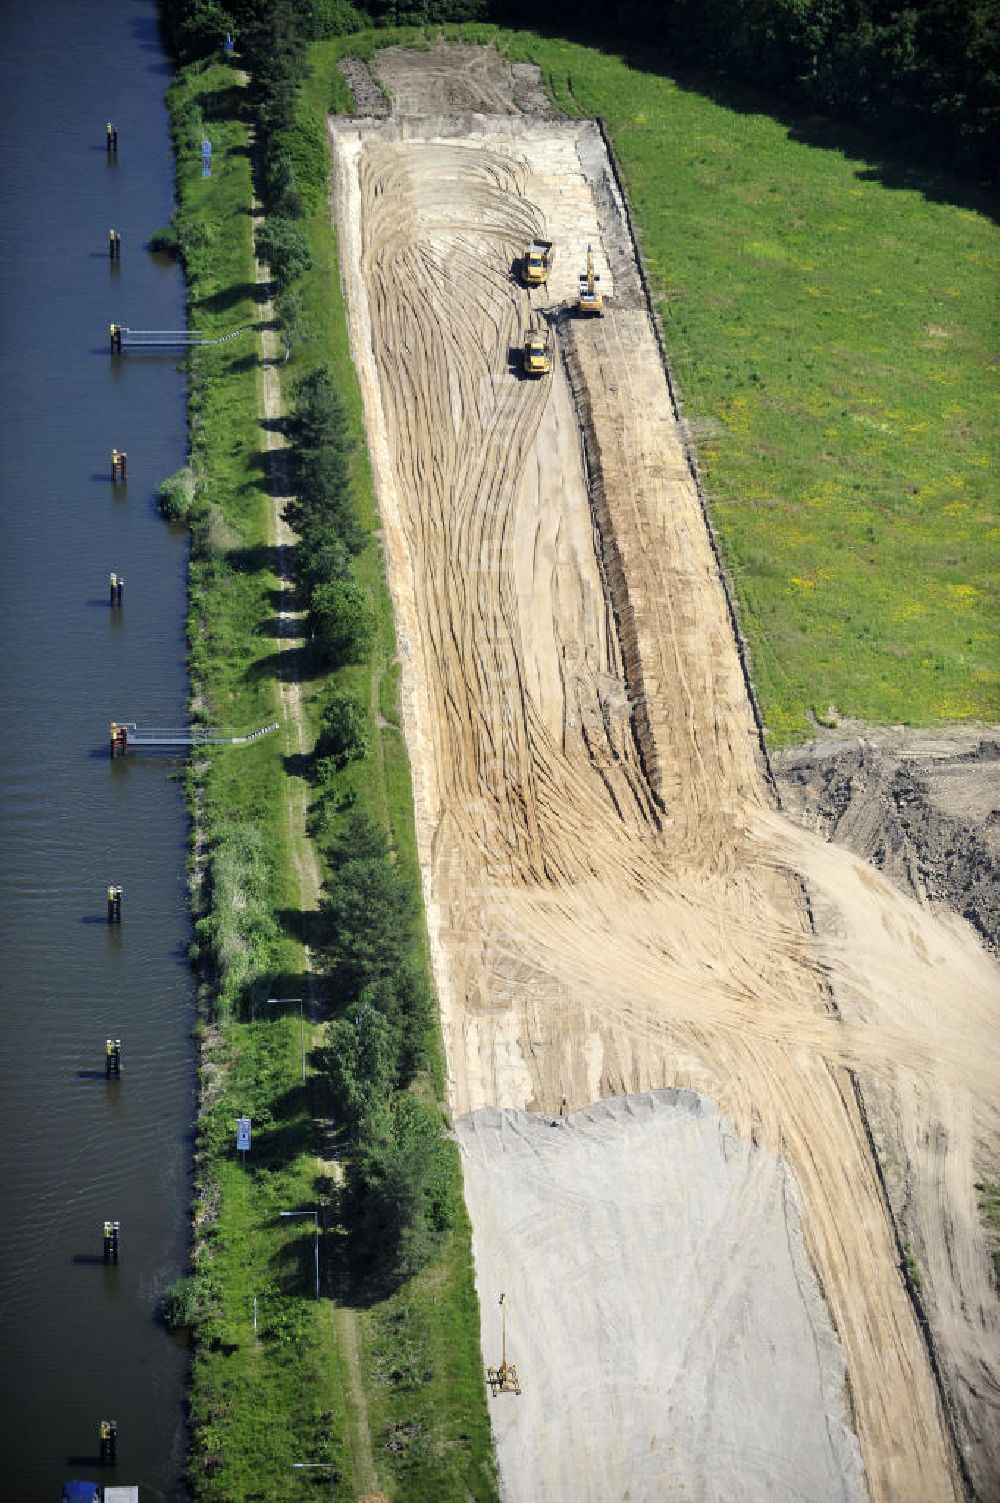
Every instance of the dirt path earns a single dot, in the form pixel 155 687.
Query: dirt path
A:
pixel 297 741
pixel 613 903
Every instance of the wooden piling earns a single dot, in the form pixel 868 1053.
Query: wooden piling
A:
pixel 116 339
pixel 109 1442
pixel 112 1230
pixel 116 591
pixel 114 245
pixel 113 1059
pixel 117 743
pixel 119 465
pixel 115 895
pixel 111 136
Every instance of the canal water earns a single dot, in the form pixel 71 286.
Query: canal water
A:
pixel 80 1342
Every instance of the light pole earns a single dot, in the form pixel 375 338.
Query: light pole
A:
pixel 324 1466
pixel 274 1002
pixel 315 1217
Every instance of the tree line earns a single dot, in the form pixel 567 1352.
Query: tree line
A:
pixel 400 1179
pixel 401 1182
pixel 923 72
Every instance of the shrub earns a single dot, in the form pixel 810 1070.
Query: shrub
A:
pixel 189 1301
pixel 367 910
pixel 405 1002
pixel 199 28
pixel 175 498
pixel 284 247
pixel 344 736
pixel 361 1064
pixel 320 445
pixel 402 1189
pixel 166 242
pixel 343 622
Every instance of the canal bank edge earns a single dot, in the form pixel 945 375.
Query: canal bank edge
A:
pixel 263 1349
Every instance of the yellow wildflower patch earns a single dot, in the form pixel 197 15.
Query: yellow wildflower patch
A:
pixel 951 707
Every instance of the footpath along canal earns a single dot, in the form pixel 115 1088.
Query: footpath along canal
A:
pixel 80 1340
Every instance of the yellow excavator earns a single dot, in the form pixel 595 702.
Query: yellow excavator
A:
pixel 538 352
pixel 590 299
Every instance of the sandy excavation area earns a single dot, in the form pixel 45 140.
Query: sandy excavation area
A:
pixel 615 906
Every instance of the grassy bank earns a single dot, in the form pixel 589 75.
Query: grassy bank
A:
pixel 834 337
pixel 273 1376
pixel 245 1253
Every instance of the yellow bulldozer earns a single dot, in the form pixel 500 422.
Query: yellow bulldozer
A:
pixel 590 299
pixel 538 352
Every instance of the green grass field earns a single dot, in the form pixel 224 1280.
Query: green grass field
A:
pixel 836 343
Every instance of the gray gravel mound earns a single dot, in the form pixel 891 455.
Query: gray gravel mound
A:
pixel 670 1337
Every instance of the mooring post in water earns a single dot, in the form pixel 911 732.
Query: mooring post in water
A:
pixel 111 136
pixel 118 746
pixel 113 1059
pixel 117 592
pixel 109 1442
pixel 112 1230
pixel 119 465
pixel 114 245
pixel 115 895
pixel 116 339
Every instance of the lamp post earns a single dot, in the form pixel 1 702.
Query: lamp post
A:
pixel 274 1002
pixel 315 1217
pixel 324 1466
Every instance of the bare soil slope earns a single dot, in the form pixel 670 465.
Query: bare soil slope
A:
pixel 451 78
pixel 613 903
pixel 923 807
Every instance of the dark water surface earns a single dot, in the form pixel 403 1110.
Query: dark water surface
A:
pixel 78 1342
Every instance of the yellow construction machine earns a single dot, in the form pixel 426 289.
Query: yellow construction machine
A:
pixel 590 299
pixel 537 262
pixel 538 352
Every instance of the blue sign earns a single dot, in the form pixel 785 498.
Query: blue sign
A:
pixel 206 159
